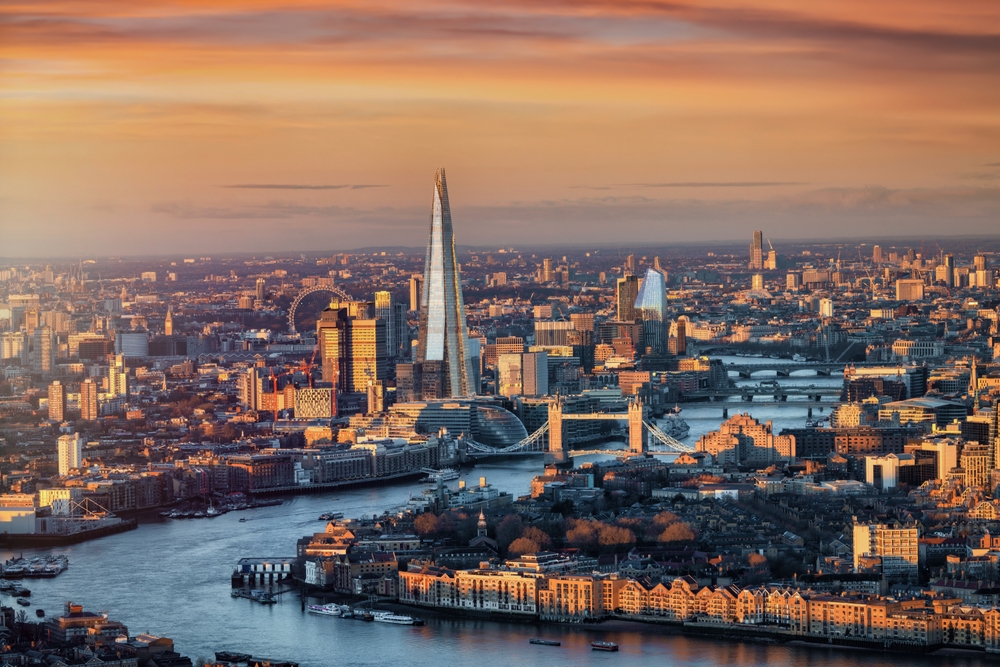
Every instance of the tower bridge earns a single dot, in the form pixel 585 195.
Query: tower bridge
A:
pixel 644 436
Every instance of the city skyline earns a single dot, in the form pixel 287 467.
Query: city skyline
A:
pixel 176 125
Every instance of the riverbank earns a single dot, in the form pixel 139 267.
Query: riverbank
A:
pixel 44 541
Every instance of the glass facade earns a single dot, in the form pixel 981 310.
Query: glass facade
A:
pixel 443 332
pixel 651 308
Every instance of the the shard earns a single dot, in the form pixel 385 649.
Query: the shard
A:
pixel 443 346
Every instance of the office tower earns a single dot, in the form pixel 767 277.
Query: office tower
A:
pixel 949 270
pixel 626 293
pixel 630 265
pixel 402 334
pixel 548 273
pixel 524 374
pixel 385 310
pixel 552 333
pixel 416 289
pixel 757 282
pixel 443 337
pixel 909 289
pixel 793 281
pixel 682 326
pixel 826 308
pixel 57 401
pixel 651 308
pixel 877 254
pixel 353 350
pixel 70 449
pixel 43 350
pixel 118 376
pixel 168 323
pixel 261 285
pixel 88 401
pixel 757 251
pixel 771 263
pixel 980 263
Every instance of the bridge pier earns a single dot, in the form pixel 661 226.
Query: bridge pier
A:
pixel 809 413
pixel 725 413
pixel 637 440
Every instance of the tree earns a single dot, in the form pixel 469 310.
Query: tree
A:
pixel 523 545
pixel 756 560
pixel 426 524
pixel 509 530
pixel 677 532
pixel 615 538
pixel 538 536
pixel 582 533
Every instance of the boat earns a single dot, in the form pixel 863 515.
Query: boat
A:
pixel 395 619
pixel 331 516
pixel 40 613
pixel 545 642
pixel 367 616
pixel 21 593
pixel 604 646
pixel 446 475
pixel 674 426
pixel 211 511
pixel 230 656
pixel 242 519
pixel 24 602
pixel 325 609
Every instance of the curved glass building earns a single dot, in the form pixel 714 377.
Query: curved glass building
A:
pixel 486 424
pixel 651 308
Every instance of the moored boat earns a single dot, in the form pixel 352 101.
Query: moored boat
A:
pixel 545 642
pixel 230 656
pixel 325 609
pixel 395 619
pixel 24 602
pixel 604 646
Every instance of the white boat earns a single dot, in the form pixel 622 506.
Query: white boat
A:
pixel 674 426
pixel 446 475
pixel 396 619
pixel 325 609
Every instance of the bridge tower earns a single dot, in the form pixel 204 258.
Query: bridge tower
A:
pixel 556 427
pixel 637 432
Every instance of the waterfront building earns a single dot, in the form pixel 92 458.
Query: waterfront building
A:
pixel 744 440
pixel 443 347
pixel 17 513
pixel 70 450
pixel 57 401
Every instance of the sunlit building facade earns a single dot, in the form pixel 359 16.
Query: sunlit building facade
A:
pixel 443 346
pixel 651 308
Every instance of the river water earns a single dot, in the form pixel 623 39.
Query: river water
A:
pixel 171 578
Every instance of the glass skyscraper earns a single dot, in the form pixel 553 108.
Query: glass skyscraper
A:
pixel 651 308
pixel 443 349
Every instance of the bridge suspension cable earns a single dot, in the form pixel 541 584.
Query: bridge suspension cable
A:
pixel 671 443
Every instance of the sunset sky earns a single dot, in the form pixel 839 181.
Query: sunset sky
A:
pixel 159 127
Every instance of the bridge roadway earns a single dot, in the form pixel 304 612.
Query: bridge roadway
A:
pixel 779 394
pixel 746 370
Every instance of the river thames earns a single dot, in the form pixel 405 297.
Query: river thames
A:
pixel 171 578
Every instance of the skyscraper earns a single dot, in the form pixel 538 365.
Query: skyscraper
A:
pixel 757 251
pixel 442 348
pixel 88 401
pixel 651 308
pixel 877 254
pixel 57 401
pixel 625 293
pixel 261 285
pixel 43 350
pixel 416 289
pixel 385 309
